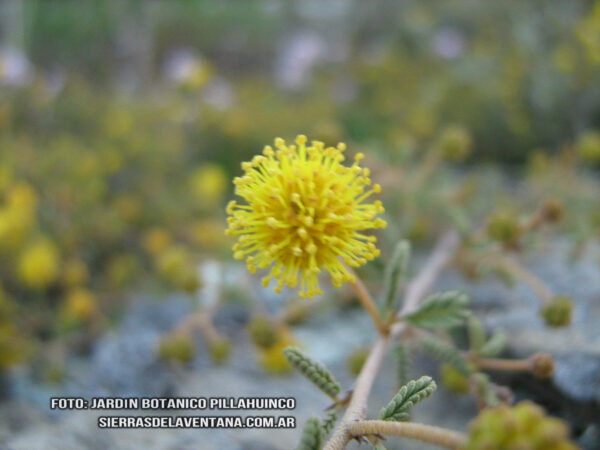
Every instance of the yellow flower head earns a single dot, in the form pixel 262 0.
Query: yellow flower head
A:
pixel 39 264
pixel 304 212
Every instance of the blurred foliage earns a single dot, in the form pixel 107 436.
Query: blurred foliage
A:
pixel 520 75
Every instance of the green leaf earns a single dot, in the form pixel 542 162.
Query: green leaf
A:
pixel 403 364
pixel 395 273
pixel 476 334
pixel 314 371
pixel 495 345
pixel 409 395
pixel 447 353
pixel 443 310
pixel 312 437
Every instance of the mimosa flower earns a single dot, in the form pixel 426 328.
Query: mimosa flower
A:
pixel 304 212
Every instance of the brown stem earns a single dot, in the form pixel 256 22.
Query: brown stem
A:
pixel 503 364
pixel 518 271
pixel 533 223
pixel 425 433
pixel 367 302
pixel 357 409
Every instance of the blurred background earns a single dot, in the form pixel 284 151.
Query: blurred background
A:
pixel 122 124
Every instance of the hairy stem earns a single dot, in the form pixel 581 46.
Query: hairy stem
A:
pixel 503 364
pixel 426 433
pixel 357 409
pixel 367 302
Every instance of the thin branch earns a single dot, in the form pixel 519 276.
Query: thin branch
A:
pixel 502 364
pixel 367 302
pixel 425 433
pixel 417 289
pixel 526 276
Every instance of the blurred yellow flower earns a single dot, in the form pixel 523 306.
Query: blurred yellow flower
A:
pixel 156 240
pixel 21 196
pixel 304 211
pixel 272 358
pixel 588 146
pixel 454 143
pixel 208 184
pixel 14 224
pixel 39 264
pixel 588 32
pixel 176 265
pixel 80 305
pixel 207 233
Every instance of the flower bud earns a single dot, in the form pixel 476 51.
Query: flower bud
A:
pixel 454 143
pixel 263 332
pixel 558 312
pixel 541 365
pixel 588 147
pixel 503 227
pixel 220 350
pixel 177 347
pixel 523 426
pixel 553 210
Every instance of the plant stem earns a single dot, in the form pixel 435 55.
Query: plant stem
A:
pixel 426 433
pixel 367 302
pixel 518 271
pixel 357 409
pixel 503 364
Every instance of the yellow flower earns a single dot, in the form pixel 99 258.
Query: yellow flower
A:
pixel 39 264
pixel 22 196
pixel 156 240
pixel 208 184
pixel 79 305
pixel 304 212
pixel 272 358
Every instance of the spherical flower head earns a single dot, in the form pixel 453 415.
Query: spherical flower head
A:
pixel 558 312
pixel 219 349
pixel 176 266
pixel 553 210
pixel 272 358
pixel 156 240
pixel 455 143
pixel 503 227
pixel 304 212
pixel 542 365
pixel 263 331
pixel 208 184
pixel 177 347
pixel 22 196
pixel 524 425
pixel 80 305
pixel 39 264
